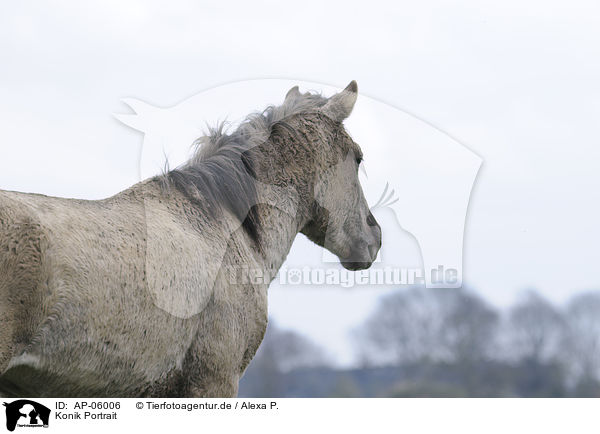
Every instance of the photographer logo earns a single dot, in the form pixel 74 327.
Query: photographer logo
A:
pixel 25 413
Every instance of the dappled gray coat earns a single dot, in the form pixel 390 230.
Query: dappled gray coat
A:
pixel 141 294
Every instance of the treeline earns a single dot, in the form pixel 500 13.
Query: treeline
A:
pixel 445 342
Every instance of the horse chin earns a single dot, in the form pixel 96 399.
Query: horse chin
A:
pixel 357 261
pixel 355 266
pixel 359 258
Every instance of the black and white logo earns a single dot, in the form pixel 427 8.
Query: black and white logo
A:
pixel 26 413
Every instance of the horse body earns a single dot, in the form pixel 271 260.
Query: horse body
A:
pixel 132 295
pixel 79 315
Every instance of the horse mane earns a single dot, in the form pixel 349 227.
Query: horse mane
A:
pixel 221 173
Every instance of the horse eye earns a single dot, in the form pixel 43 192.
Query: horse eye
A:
pixel 358 161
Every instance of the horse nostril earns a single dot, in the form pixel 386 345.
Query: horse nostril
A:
pixel 371 220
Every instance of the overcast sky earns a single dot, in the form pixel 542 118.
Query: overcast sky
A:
pixel 517 82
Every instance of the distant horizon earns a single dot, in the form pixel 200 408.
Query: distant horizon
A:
pixel 345 357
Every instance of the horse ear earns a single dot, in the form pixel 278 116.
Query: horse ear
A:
pixel 292 93
pixel 341 104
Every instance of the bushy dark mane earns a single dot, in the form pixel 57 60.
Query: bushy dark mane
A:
pixel 221 172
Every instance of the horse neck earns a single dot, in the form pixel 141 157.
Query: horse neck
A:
pixel 284 204
pixel 278 231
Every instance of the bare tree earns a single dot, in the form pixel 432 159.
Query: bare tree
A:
pixel 582 343
pixel 281 351
pixel 535 330
pixel 469 328
pixel 290 350
pixel 428 324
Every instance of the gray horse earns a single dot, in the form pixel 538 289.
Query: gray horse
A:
pixel 133 295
